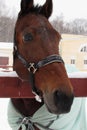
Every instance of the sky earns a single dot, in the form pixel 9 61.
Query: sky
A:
pixel 70 9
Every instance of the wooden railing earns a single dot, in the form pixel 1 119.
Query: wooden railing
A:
pixel 12 86
pixel 6 68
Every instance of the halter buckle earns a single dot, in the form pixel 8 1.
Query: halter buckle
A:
pixel 32 68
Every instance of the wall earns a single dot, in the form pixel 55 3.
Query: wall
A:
pixel 70 47
pixel 6 50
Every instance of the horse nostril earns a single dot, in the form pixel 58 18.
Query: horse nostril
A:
pixel 63 101
pixel 59 95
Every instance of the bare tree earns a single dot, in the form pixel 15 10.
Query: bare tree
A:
pixel 6 29
pixel 77 26
pixel 58 23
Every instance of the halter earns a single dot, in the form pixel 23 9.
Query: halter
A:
pixel 35 66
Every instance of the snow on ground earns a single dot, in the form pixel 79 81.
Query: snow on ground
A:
pixel 6 45
pixel 79 74
pixel 3 114
pixel 8 74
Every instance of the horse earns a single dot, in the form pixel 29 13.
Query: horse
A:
pixel 36 60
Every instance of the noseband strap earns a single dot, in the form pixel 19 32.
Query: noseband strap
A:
pixel 33 67
pixel 48 60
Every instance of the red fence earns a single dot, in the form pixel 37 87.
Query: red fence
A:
pixel 12 86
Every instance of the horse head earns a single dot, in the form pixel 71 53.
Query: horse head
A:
pixel 36 56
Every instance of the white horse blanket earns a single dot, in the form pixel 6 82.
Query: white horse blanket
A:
pixel 74 120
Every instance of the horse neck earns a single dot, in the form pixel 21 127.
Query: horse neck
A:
pixel 27 107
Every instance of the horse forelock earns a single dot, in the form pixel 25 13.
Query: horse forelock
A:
pixel 34 9
pixel 28 6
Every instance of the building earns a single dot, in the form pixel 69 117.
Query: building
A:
pixel 6 55
pixel 73 49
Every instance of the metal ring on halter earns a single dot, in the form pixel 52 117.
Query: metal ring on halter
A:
pixel 32 68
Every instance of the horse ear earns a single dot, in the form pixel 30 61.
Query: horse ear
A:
pixel 46 9
pixel 26 5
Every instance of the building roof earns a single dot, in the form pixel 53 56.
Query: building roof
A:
pixel 6 45
pixel 73 38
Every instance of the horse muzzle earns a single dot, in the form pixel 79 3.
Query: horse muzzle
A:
pixel 58 102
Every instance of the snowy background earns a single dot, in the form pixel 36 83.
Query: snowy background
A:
pixel 3 114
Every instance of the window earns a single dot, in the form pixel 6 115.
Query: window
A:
pixel 84 49
pixel 85 62
pixel 4 60
pixel 72 61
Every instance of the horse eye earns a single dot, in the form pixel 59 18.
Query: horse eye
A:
pixel 28 37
